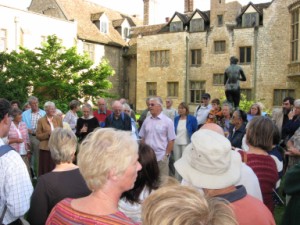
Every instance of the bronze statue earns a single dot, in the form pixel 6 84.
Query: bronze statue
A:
pixel 232 77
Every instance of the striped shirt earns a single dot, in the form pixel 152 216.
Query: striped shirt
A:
pixel 63 213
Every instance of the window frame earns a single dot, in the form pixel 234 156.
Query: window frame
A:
pixel 3 39
pixel 295 35
pixel 197 93
pixel 195 54
pixel 245 60
pixel 175 27
pixel 220 47
pixel 159 58
pixel 173 85
pixel 151 87
pixel 220 81
pixel 194 27
pixel 89 48
pixel 220 20
pixel 251 15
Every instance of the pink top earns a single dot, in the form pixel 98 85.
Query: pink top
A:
pixel 13 133
pixel 63 213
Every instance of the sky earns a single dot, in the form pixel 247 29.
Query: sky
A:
pixel 165 8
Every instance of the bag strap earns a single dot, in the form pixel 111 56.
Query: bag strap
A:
pixel 4 149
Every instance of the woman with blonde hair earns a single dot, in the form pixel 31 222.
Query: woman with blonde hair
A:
pixel 108 161
pixel 177 205
pixel 62 182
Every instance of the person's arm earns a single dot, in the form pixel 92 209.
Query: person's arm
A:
pixel 41 132
pixel 243 78
pixel 39 205
pixel 170 147
pixel 17 186
pixel 225 77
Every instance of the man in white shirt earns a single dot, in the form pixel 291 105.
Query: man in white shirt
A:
pixel 15 184
pixel 203 110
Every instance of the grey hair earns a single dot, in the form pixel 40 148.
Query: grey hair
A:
pixel 33 99
pixel 87 105
pixel 47 104
pixel 228 105
pixel 15 112
pixel 62 144
pixel 297 103
pixel 158 100
pixel 126 106
pixel 295 139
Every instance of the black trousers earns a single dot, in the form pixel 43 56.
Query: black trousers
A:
pixel 234 97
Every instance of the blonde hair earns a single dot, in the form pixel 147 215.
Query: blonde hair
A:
pixel 62 144
pixel 177 205
pixel 105 150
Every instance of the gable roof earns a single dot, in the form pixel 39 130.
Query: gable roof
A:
pixel 258 7
pixel 84 13
pixel 117 23
pixel 183 17
pixel 204 15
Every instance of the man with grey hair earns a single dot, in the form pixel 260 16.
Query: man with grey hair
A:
pixel 118 119
pixel 169 111
pixel 158 132
pixel 15 184
pixel 31 117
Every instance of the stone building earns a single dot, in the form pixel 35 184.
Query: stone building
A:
pixel 101 32
pixel 187 55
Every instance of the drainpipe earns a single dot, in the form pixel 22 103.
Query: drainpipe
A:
pixel 16 33
pixel 186 67
pixel 255 63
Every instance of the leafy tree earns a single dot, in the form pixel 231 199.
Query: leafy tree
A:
pixel 53 72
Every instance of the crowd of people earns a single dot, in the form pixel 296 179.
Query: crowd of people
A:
pixel 217 166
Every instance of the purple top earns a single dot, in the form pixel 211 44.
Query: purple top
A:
pixel 157 132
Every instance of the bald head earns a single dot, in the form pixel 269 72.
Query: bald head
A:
pixel 117 108
pixel 213 127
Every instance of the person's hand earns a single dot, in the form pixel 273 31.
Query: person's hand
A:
pixel 292 151
pixel 20 140
pixel 84 129
pixel 291 114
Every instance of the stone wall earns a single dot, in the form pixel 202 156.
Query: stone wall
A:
pixel 270 56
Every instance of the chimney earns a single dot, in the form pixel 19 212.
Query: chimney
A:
pixel 167 19
pixel 146 12
pixel 188 6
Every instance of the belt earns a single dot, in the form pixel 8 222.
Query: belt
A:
pixel 33 134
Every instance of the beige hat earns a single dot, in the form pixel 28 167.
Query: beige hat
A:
pixel 209 162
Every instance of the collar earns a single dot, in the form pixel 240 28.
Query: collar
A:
pixel 236 195
pixel 103 112
pixel 158 117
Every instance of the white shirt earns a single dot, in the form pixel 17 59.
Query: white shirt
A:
pixel 15 186
pixel 202 113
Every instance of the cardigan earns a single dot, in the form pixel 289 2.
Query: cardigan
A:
pixel 43 130
pixel 191 124
pixel 265 169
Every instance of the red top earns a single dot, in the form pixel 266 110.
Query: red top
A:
pixel 101 116
pixel 266 171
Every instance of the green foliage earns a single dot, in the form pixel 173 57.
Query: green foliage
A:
pixel 52 72
pixel 245 104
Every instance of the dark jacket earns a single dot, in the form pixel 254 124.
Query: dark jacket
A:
pixel 237 137
pixel 123 123
pixel 191 124
pixel 292 187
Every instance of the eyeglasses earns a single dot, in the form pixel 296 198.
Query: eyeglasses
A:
pixel 152 104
